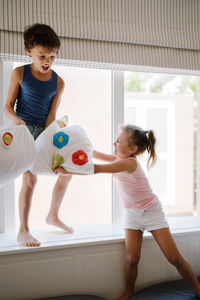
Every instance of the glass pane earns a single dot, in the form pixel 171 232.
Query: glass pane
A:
pixel 130 115
pixel 87 102
pixel 167 104
pixel 157 118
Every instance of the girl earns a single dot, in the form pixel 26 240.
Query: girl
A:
pixel 143 210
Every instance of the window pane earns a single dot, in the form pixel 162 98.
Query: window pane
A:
pixel 167 105
pixel 157 118
pixel 130 114
pixel 87 102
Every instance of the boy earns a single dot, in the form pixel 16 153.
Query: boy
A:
pixel 36 90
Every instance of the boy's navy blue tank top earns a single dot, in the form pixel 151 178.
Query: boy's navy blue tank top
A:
pixel 35 97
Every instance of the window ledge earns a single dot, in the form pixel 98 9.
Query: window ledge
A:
pixel 89 235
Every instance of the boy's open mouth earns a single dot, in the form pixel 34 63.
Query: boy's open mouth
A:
pixel 45 68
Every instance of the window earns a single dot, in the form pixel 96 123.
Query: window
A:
pixel 100 100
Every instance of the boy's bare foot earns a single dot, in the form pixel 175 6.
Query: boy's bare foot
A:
pixel 26 239
pixel 58 223
pixel 125 296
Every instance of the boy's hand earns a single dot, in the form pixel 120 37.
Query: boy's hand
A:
pixel 20 122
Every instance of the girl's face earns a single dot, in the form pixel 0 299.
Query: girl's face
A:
pixel 42 58
pixel 121 146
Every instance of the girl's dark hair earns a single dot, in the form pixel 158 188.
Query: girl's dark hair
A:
pixel 40 35
pixel 145 140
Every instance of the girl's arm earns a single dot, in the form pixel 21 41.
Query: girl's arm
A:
pixel 15 81
pixel 55 102
pixel 128 165
pixel 103 156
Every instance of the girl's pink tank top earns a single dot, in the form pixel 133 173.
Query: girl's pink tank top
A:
pixel 134 189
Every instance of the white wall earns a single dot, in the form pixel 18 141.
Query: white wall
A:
pixel 87 269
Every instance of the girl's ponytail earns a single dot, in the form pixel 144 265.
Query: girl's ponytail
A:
pixel 145 140
pixel 151 148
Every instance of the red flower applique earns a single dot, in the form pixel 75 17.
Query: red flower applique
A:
pixel 79 158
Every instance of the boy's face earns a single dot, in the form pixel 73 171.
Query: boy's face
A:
pixel 42 58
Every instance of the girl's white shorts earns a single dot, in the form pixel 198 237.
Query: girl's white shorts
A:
pixel 145 219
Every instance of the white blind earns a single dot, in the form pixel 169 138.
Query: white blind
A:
pixel 155 33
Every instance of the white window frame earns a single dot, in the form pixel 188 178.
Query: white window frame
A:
pixel 198 148
pixel 117 120
pixel 7 203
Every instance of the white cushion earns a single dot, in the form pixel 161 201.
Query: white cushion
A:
pixel 67 146
pixel 17 152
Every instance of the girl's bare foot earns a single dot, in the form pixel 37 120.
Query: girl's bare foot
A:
pixel 26 239
pixel 58 223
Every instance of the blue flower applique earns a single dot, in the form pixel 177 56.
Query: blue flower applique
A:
pixel 60 139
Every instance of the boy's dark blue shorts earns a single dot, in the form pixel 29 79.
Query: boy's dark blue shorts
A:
pixel 35 130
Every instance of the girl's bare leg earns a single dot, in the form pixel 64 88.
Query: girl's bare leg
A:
pixel 133 243
pixel 57 197
pixel 166 242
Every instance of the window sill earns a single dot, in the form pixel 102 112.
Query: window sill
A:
pixel 89 235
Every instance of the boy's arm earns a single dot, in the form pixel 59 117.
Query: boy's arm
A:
pixel 15 81
pixel 103 156
pixel 55 102
pixel 128 165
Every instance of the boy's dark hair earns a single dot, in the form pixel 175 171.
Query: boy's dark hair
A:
pixel 40 35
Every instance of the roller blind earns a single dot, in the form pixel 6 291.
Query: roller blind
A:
pixel 121 33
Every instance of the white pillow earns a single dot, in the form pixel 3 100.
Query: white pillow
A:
pixel 62 145
pixel 17 152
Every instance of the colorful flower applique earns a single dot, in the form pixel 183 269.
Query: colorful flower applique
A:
pixel 57 161
pixel 7 139
pixel 79 158
pixel 60 139
pixel 61 123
